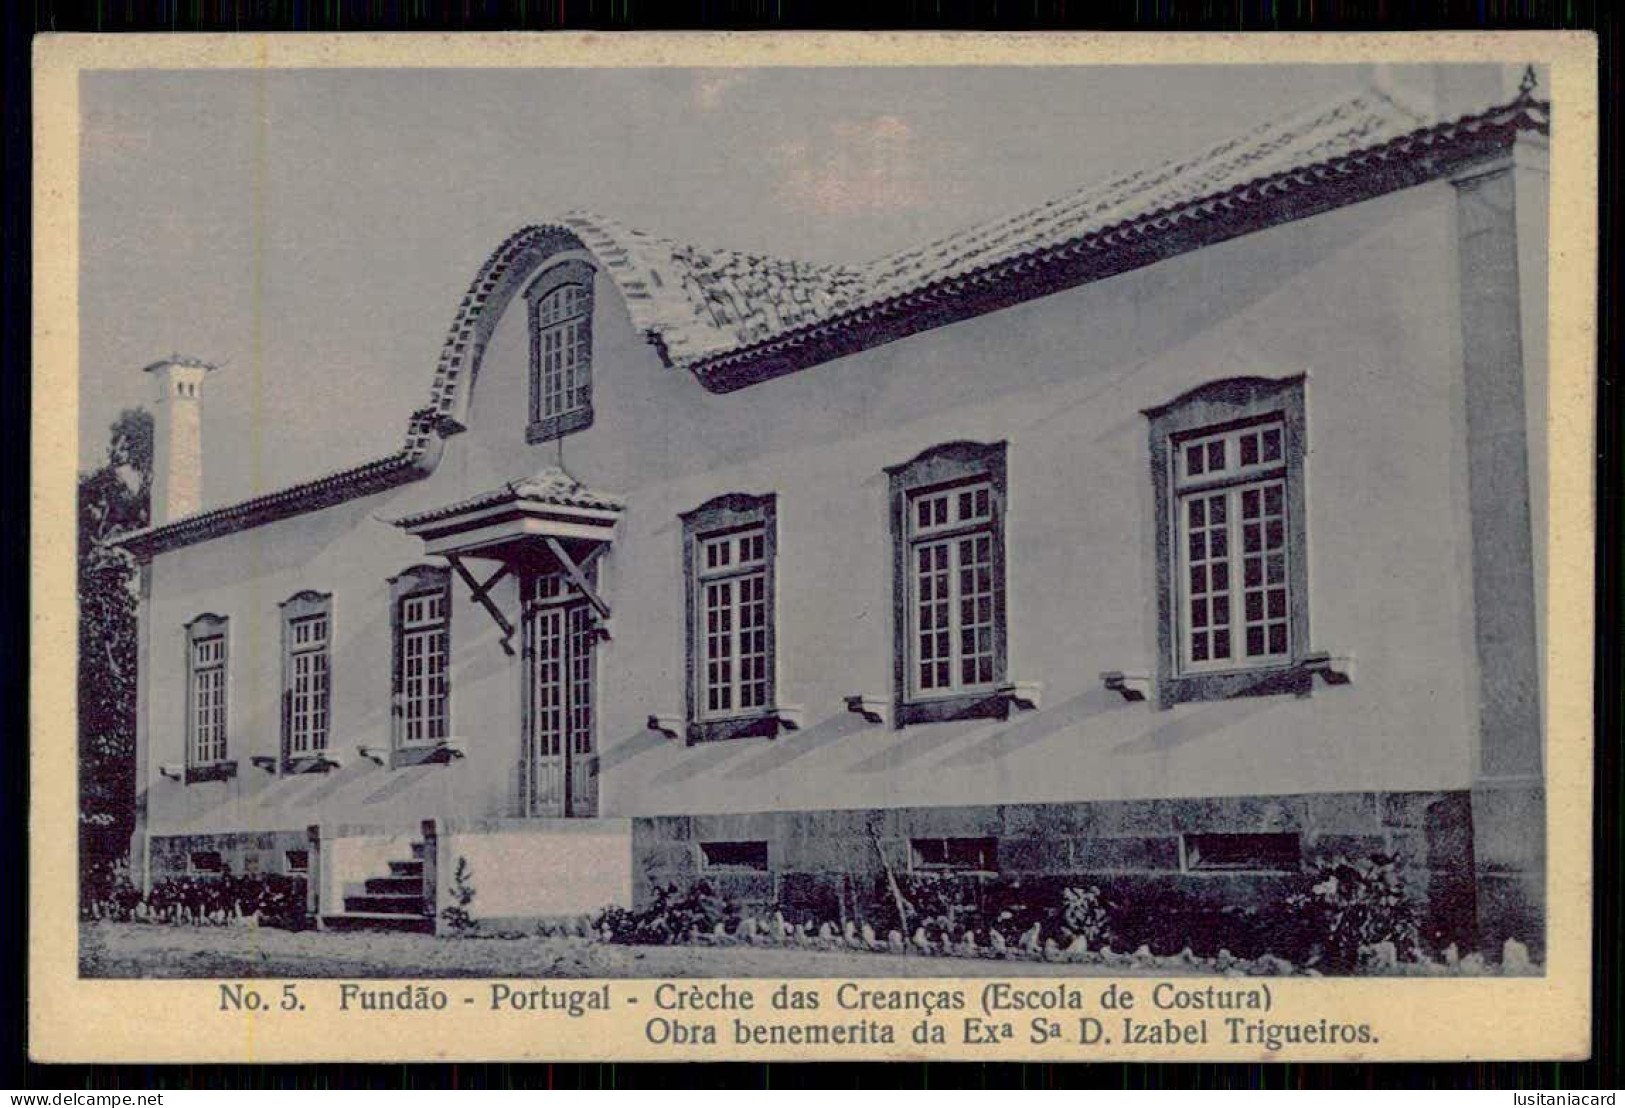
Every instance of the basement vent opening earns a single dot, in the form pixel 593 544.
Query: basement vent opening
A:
pixel 960 855
pixel 751 854
pixel 1265 853
pixel 207 861
pixel 298 861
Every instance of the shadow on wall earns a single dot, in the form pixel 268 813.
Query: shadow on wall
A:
pixel 1214 717
pixel 771 756
pixel 360 789
pixel 704 758
pixel 639 742
pixel 1036 728
pixel 290 547
pixel 799 745
pixel 399 781
pixel 920 742
pixel 489 659
pixel 356 653
pixel 243 797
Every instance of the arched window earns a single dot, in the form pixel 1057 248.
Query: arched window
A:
pixel 560 351
pixel 207 655
pixel 1232 564
pixel 307 635
pixel 948 581
pixel 420 615
pixel 730 546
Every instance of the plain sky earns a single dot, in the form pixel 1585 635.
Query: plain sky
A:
pixel 315 230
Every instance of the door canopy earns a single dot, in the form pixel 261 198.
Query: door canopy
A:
pixel 508 522
pixel 548 518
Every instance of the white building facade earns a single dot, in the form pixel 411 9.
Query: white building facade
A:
pixel 1175 536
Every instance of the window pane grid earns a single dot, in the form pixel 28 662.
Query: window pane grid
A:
pixel 308 685
pixel 1207 540
pixel 565 350
pixel 209 699
pixel 753 641
pixel 1263 552
pixel 952 608
pixel 580 667
pixel 1230 455
pixel 424 715
pixel 951 508
pixel 1233 546
pixel 551 588
pixel 733 553
pixel 735 615
pixel 559 642
pixel 549 703
pixel 719 642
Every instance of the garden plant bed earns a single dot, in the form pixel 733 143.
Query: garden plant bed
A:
pixel 125 950
pixel 128 950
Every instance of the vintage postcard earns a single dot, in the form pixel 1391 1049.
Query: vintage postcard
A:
pixel 865 547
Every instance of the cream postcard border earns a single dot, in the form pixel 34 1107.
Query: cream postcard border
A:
pixel 1420 1018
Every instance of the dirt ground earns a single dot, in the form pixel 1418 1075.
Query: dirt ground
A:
pixel 123 950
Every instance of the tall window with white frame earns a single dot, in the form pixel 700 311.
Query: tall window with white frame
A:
pixel 422 616
pixel 207 749
pixel 730 549
pixel 423 660
pixel 561 304
pixel 948 524
pixel 1228 466
pixel 950 537
pixel 306 634
pixel 1231 496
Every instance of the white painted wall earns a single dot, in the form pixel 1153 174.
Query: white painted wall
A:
pixel 546 868
pixel 1363 299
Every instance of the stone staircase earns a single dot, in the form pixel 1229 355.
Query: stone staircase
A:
pixel 395 902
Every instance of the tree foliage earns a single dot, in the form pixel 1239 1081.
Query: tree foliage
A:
pixel 113 498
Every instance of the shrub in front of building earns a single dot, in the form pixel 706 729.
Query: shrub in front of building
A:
pixel 1356 905
pixel 673 915
pixel 1327 918
pixel 273 900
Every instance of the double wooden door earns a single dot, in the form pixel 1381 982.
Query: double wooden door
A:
pixel 558 763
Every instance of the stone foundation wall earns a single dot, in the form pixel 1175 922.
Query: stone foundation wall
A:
pixel 832 864
pixel 241 853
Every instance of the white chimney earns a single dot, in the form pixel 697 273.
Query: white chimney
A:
pixel 177 437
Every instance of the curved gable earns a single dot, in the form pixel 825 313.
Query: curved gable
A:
pixel 689 303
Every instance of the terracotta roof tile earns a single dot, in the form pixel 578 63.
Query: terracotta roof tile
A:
pixel 549 485
pixel 712 310
pixel 706 301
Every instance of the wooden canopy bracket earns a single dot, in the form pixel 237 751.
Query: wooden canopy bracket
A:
pixel 482 594
pixel 578 578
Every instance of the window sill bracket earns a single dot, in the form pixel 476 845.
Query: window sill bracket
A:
pixel 1132 687
pixel 211 771
pixel 321 761
pixel 790 717
pixel 446 752
pixel 1026 696
pixel 670 727
pixel 874 709
pixel 1330 668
